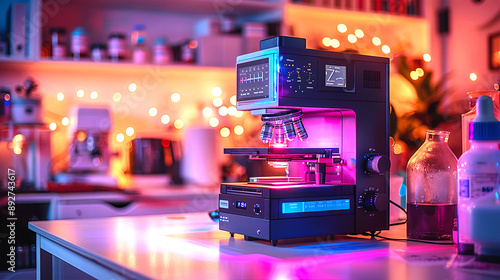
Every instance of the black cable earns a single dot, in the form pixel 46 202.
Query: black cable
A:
pixel 404 210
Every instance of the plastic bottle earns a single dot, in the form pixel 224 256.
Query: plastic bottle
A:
pixel 79 43
pixel 471 114
pixel 478 169
pixel 140 53
pixel 431 180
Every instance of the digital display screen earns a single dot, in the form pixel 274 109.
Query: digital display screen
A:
pixel 253 79
pixel 315 206
pixel 241 205
pixel 335 76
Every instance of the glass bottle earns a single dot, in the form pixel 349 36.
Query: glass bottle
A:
pixel 469 116
pixel 431 181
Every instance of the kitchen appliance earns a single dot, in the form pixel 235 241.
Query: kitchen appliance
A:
pixel 89 153
pixel 27 104
pixel 326 118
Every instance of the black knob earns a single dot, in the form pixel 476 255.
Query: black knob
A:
pixel 378 164
pixel 256 209
pixel 373 201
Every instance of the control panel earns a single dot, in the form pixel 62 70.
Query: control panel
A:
pixel 298 74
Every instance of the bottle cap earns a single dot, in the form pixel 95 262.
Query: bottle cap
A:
pixel 485 126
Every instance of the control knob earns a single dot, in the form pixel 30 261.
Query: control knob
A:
pixel 256 209
pixel 373 201
pixel 378 164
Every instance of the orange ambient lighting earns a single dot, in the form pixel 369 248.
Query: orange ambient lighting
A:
pixel 207 111
pixel 214 122
pixel 65 121
pixel 80 93
pixel 153 111
pixel 224 132
pixel 326 41
pixel 216 91
pixel 342 28
pixel 238 130
pixel 175 97
pixel 60 96
pixel 473 77
pixel 217 102
pixel 165 119
pixel 178 124
pixel 335 43
pixel 427 57
pixel 376 41
pixel 81 136
pixel 120 137
pixel 52 126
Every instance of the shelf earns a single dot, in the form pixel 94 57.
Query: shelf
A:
pixel 205 7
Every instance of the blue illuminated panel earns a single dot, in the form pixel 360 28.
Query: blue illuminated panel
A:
pixel 315 206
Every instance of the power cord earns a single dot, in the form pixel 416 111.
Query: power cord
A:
pixel 402 209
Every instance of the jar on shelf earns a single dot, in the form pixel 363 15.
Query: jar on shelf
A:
pixel 471 114
pixel 140 52
pixel 79 43
pixel 431 189
pixel 58 36
pixel 162 54
pixel 117 47
pixel 99 52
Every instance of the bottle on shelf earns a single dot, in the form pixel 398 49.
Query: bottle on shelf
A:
pixel 140 53
pixel 431 193
pixel 58 36
pixel 162 54
pixel 117 47
pixel 79 43
pixel 478 172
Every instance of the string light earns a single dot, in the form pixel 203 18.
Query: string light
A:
pixel 120 137
pixel 352 38
pixel 414 75
pixel 386 49
pixel 473 77
pixel 232 100
pixel 18 139
pixel 53 126
pixel 207 111
pixel 427 57
pixel 238 130
pixel 178 124
pixel 80 93
pixel 216 91
pixel 175 97
pixel 359 33
pixel 224 132
pixel 60 96
pixel 231 110
pixel 223 111
pixel 376 41
pixel 153 111
pixel 94 95
pixel 335 43
pixel 165 119
pixel 342 28
pixel 420 72
pixel 239 114
pixel 132 87
pixel 213 122
pixel 217 102
pixel 65 121
pixel 117 97
pixel 326 42
pixel 130 131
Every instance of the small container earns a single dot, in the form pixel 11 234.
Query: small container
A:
pixel 478 171
pixel 471 114
pixel 140 53
pixel 162 54
pixel 117 47
pixel 431 193
pixel 79 43
pixel 58 36
pixel 99 52
pixel 188 51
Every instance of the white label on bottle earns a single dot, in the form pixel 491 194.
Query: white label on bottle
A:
pixel 477 184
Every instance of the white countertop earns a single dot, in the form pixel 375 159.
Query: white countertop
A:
pixel 190 246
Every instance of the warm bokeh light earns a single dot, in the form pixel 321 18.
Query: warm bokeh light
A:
pixel 80 93
pixel 238 130
pixel 193 44
pixel 224 132
pixel 386 49
pixel 129 131
pixel 473 77
pixel 496 86
pixel 17 150
pixel 18 138
pixel 214 122
pixel 376 41
pixel 335 43
pixel 81 136
pixel 359 33
pixel 231 110
pixel 132 87
pixel 52 126
pixel 178 124
pixel 7 97
pixel 216 91
pixel 414 75
pixel 232 100
pixel 217 102
pixel 117 97
pixel 326 41
pixel 342 28
pixel 207 111
pixel 420 72
pixel 60 96
pixel 427 57
pixel 352 38
pixel 239 114
pixel 397 149
pixel 120 137
pixel 165 119
pixel 153 111
pixel 94 95
pixel 65 121
pixel 223 111
pixel 175 97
